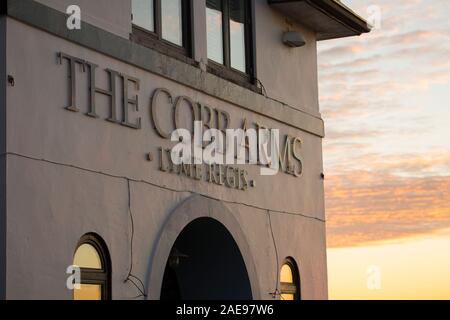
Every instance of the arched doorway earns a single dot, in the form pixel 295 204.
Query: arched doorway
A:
pixel 205 263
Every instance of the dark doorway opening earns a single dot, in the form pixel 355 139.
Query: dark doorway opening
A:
pixel 205 263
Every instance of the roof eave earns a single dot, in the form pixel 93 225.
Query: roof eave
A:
pixel 330 18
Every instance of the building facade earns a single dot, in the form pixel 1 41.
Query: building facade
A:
pixel 87 112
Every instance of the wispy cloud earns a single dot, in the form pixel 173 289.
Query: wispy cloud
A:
pixel 368 207
pixel 384 98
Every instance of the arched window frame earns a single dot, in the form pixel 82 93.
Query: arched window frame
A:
pixel 291 288
pixel 102 276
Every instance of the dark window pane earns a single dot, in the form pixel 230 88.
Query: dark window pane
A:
pixel 237 35
pixel 214 4
pixel 172 21
pixel 214 30
pixel 143 14
pixel 237 10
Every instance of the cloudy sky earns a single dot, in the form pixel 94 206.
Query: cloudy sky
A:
pixel 385 98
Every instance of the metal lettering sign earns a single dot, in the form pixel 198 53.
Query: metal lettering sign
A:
pixel 163 106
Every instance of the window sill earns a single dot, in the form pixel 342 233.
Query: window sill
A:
pixel 235 76
pixel 150 40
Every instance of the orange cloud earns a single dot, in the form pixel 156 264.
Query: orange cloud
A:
pixel 379 94
pixel 365 206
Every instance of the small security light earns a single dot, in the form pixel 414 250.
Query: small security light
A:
pixel 293 39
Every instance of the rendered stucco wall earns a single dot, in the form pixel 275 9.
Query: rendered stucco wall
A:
pixel 288 74
pixel 66 177
pixel 3 84
pixel 111 15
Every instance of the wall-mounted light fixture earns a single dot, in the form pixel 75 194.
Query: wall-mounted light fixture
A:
pixel 293 39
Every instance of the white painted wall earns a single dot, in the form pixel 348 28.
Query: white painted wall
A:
pixel 50 206
pixel 111 15
pixel 288 74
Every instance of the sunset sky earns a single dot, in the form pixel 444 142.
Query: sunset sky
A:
pixel 385 98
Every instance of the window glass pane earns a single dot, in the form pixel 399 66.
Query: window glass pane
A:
pixel 286 274
pixel 287 296
pixel 172 21
pixel 143 15
pixel 87 256
pixel 214 30
pixel 237 34
pixel 88 292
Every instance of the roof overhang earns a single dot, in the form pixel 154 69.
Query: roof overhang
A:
pixel 330 19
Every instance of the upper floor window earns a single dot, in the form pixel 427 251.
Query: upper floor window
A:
pixel 92 257
pixel 289 281
pixel 162 24
pixel 229 41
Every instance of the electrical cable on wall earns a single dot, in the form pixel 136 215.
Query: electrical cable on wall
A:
pixel 162 187
pixel 130 275
pixel 276 292
pixel 264 92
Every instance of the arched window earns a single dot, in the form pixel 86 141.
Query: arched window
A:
pixel 93 259
pixel 289 281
